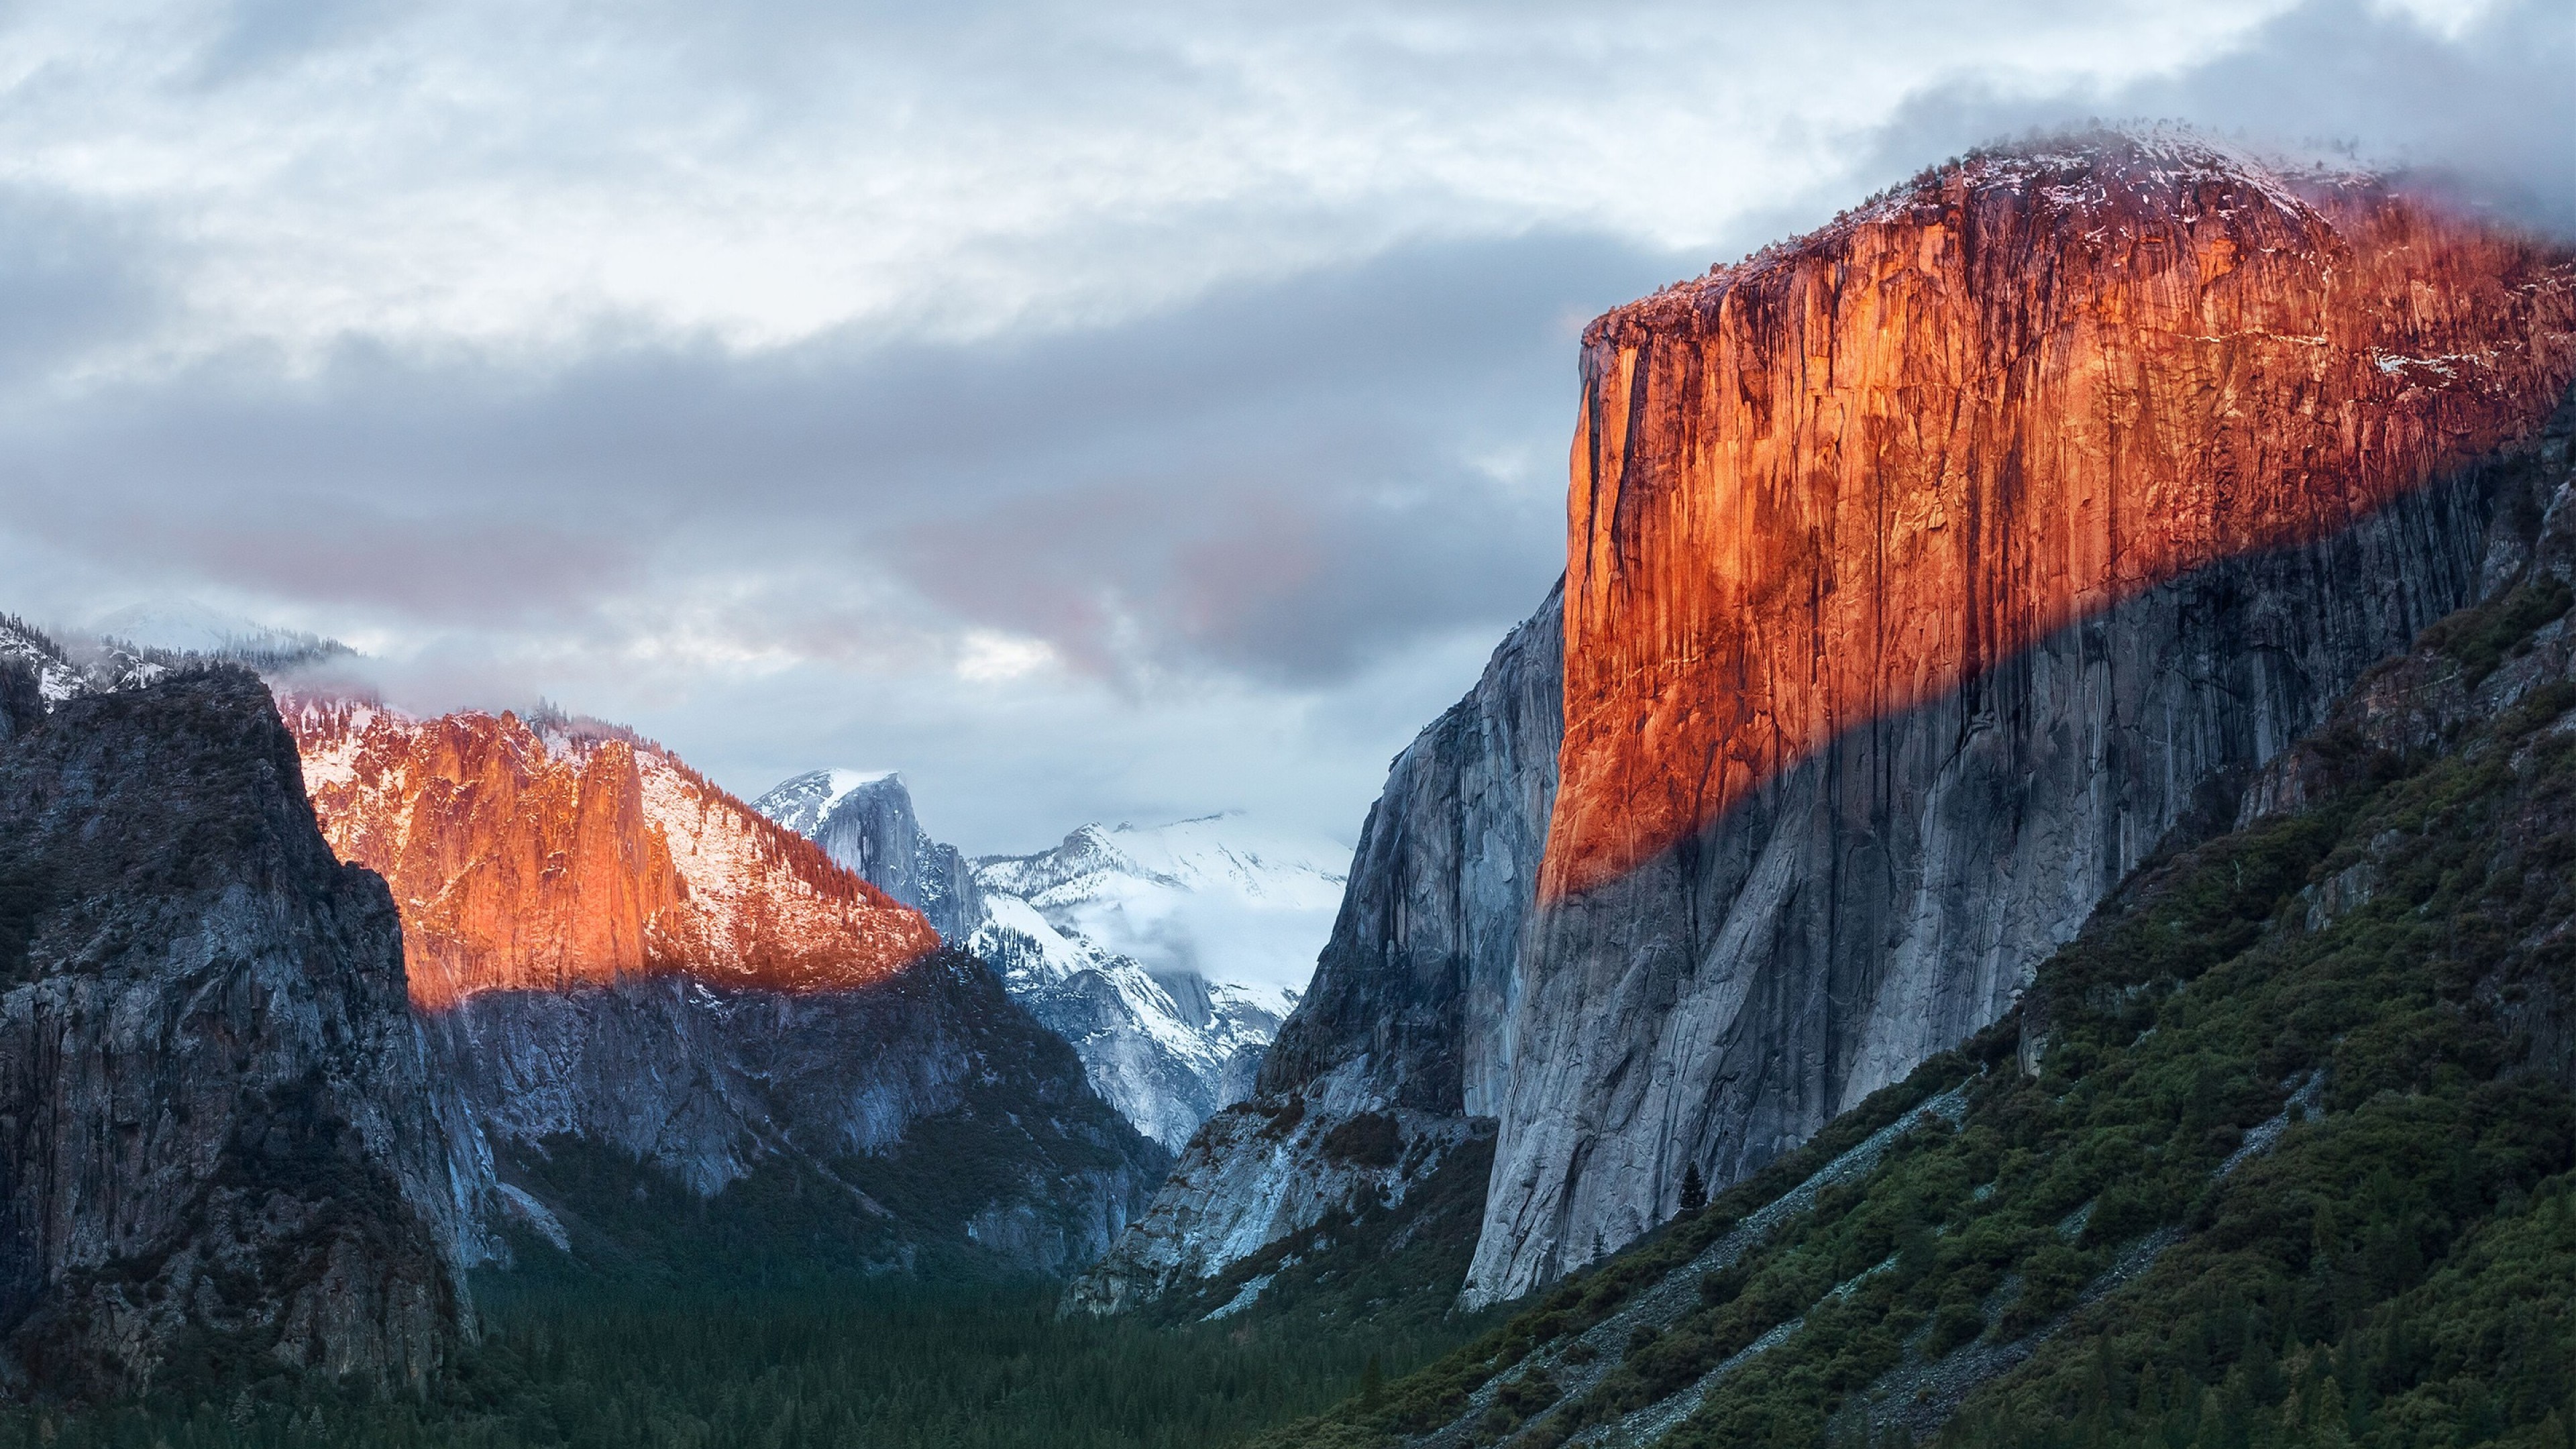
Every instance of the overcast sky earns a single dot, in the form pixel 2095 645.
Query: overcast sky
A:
pixel 1095 411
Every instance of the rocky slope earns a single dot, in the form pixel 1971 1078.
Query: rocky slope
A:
pixel 617 955
pixel 1159 952
pixel 2281 1149
pixel 865 823
pixel 1153 951
pixel 1924 574
pixel 559 852
pixel 1399 1055
pixel 218 1149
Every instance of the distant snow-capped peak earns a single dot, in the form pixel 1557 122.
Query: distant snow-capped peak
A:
pixel 1214 895
pixel 804 802
pixel 1167 955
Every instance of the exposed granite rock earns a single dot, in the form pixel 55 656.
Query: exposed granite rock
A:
pixel 624 954
pixel 552 852
pixel 704 1083
pixel 1883 899
pixel 217 1143
pixel 866 824
pixel 1927 572
pixel 1408 1017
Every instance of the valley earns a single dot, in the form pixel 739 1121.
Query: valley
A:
pixel 2017 892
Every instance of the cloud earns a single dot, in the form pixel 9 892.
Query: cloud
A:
pixel 1098 411
pixel 2471 97
pixel 1282 480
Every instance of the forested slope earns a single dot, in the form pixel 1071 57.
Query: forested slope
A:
pixel 2277 1151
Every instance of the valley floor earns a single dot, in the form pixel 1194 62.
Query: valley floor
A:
pixel 906 1366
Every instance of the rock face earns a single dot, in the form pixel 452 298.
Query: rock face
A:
pixel 217 1143
pixel 577 853
pixel 865 823
pixel 708 1083
pixel 617 952
pixel 1922 575
pixel 1408 1021
pixel 1129 943
pixel 1158 951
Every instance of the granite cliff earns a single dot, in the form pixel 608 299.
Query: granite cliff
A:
pixel 218 1144
pixel 1399 1054
pixel 1924 575
pixel 614 955
pixel 865 823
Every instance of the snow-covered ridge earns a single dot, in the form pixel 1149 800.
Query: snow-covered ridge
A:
pixel 1214 895
pixel 116 656
pixel 1167 955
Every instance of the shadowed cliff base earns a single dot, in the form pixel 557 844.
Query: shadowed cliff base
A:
pixel 1886 897
pixel 2280 1149
pixel 922 1119
pixel 221 1164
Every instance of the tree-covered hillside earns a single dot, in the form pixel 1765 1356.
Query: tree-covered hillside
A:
pixel 2277 1152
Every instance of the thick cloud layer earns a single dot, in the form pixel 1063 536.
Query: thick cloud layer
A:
pixel 1097 412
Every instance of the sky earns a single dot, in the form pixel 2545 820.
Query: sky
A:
pixel 1098 412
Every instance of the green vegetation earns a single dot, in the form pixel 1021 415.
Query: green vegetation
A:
pixel 871 1363
pixel 1382 1270
pixel 2360 994
pixel 763 1318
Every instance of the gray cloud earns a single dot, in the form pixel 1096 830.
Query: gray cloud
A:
pixel 1283 480
pixel 2487 113
pixel 722 368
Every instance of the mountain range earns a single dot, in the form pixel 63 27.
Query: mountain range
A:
pixel 2018 889
pixel 1158 952
pixel 1928 575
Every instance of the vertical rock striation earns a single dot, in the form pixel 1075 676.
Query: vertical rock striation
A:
pixel 218 1152
pixel 1409 1015
pixel 612 950
pixel 1923 574
pixel 865 823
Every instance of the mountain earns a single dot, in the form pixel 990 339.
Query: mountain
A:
pixel 624 970
pixel 84 663
pixel 1925 574
pixel 219 1150
pixel 1154 951
pixel 864 821
pixel 2280 1149
pixel 184 626
pixel 1157 951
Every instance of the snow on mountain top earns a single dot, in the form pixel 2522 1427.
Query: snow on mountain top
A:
pixel 1221 853
pixel 57 678
pixel 186 626
pixel 1216 896
pixel 844 781
pixel 801 802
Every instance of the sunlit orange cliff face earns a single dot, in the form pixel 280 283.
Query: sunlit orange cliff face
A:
pixel 1836 480
pixel 522 858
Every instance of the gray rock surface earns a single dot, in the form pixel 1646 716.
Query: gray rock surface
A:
pixel 1882 900
pixel 706 1084
pixel 1409 1016
pixel 867 825
pixel 218 1147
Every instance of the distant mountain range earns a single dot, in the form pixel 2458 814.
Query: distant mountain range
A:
pixel 1160 952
